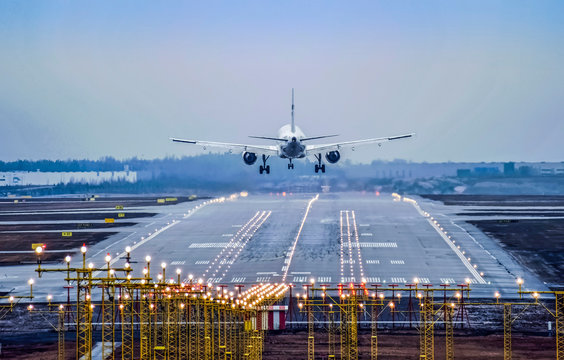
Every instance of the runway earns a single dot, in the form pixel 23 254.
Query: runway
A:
pixel 329 238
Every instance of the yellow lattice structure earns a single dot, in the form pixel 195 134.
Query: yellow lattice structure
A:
pixel 61 334
pixel 176 320
pixel 449 332
pixel 507 331
pixel 164 320
pixel 374 333
pixel 559 315
pixel 310 334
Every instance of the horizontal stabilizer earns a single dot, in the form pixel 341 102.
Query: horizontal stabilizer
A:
pixel 318 137
pixel 183 141
pixel 267 138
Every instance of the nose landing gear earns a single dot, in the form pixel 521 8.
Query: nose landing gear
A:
pixel 290 165
pixel 319 166
pixel 264 167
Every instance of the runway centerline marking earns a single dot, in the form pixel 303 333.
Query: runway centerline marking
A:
pixel 291 254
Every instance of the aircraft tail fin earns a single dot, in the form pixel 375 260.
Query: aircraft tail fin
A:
pixel 293 124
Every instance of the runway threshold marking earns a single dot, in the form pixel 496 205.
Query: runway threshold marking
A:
pixel 463 258
pixel 291 253
pixel 373 262
pixel 397 262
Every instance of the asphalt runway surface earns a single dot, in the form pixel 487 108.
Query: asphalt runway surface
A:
pixel 331 238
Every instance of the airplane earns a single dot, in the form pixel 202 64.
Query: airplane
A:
pixel 291 143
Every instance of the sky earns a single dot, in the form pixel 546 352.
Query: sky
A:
pixel 475 80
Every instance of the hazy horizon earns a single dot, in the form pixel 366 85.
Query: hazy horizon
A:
pixel 477 81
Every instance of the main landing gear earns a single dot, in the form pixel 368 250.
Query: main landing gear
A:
pixel 319 166
pixel 290 165
pixel 264 167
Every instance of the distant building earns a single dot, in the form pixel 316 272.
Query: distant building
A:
pixel 486 171
pixel 13 178
pixel 463 172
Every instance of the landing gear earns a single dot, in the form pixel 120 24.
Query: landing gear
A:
pixel 319 166
pixel 290 165
pixel 264 167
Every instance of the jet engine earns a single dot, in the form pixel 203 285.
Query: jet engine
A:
pixel 249 158
pixel 333 156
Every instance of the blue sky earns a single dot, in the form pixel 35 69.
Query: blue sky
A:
pixel 476 80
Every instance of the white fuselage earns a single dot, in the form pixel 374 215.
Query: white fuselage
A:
pixel 292 148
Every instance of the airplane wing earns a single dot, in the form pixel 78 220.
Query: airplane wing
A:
pixel 352 144
pixel 238 148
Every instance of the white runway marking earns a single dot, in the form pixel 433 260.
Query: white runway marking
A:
pixel 324 279
pixel 373 262
pixel 300 279
pixel 397 262
pixel 360 265
pixel 237 226
pixel 373 279
pixel 366 234
pixel 424 280
pixel 444 236
pixel 348 279
pixel 213 245
pixel 348 244
pixel 239 279
pixel 398 280
pixel 263 279
pixel 378 245
pixel 227 235
pixel 202 262
pixel 178 262
pixel 228 255
pixel 364 225
pixel 291 254
pixel 215 280
pixel 448 281
pixel 300 272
